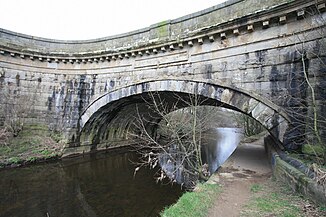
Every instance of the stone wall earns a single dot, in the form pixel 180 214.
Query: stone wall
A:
pixel 295 179
pixel 169 31
pixel 249 46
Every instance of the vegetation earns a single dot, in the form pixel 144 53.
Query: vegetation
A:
pixel 251 126
pixel 256 188
pixel 305 102
pixel 305 95
pixel 310 155
pixel 21 140
pixel 34 142
pixel 270 198
pixel 16 107
pixel 274 199
pixel 177 146
pixel 194 204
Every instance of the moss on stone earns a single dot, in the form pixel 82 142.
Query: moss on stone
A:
pixel 313 149
pixel 163 29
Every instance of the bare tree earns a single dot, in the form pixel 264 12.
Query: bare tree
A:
pixel 16 106
pixel 177 145
pixel 251 126
pixel 4 137
pixel 306 100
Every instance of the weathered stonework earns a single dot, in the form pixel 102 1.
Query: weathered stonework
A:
pixel 294 178
pixel 242 54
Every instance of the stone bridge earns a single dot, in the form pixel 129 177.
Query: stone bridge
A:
pixel 246 55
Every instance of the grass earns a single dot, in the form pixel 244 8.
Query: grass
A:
pixel 274 199
pixel 256 188
pixel 194 204
pixel 313 149
pixel 311 154
pixel 277 205
pixel 34 142
pixel 322 208
pixel 270 198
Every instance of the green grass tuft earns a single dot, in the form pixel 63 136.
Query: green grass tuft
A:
pixel 313 149
pixel 256 188
pixel 194 204
pixel 322 208
pixel 34 142
pixel 272 200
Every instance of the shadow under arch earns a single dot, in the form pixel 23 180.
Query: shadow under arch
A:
pixel 106 121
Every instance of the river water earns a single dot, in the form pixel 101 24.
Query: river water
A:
pixel 100 184
pixel 97 185
pixel 219 144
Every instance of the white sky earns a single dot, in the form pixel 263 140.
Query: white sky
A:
pixel 88 19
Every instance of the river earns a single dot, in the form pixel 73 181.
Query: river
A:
pixel 96 185
pixel 102 184
pixel 219 144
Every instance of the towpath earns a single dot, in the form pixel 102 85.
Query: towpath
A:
pixel 247 166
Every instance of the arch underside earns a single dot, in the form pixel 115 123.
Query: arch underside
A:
pixel 107 121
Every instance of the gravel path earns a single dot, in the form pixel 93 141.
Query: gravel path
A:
pixel 246 166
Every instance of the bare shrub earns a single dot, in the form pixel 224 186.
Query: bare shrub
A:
pixel 177 144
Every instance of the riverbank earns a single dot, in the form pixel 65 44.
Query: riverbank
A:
pixel 247 188
pixel 34 144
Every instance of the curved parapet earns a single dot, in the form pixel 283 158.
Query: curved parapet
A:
pixel 214 22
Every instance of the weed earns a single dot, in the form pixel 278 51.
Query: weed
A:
pixel 256 188
pixel 57 137
pixel 322 208
pixel 193 204
pixel 313 149
pixel 32 143
pixel 51 155
pixel 272 199
pixel 5 149
pixel 14 160
pixel 32 159
pixel 45 152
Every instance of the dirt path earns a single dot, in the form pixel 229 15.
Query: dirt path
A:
pixel 247 165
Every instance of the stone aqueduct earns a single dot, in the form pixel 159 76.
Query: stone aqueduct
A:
pixel 241 54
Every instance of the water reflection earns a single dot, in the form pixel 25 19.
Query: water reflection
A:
pixel 99 185
pixel 218 145
pixel 102 184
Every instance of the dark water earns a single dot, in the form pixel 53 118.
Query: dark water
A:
pixel 98 185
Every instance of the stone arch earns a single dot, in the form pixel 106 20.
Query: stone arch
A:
pixel 114 109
